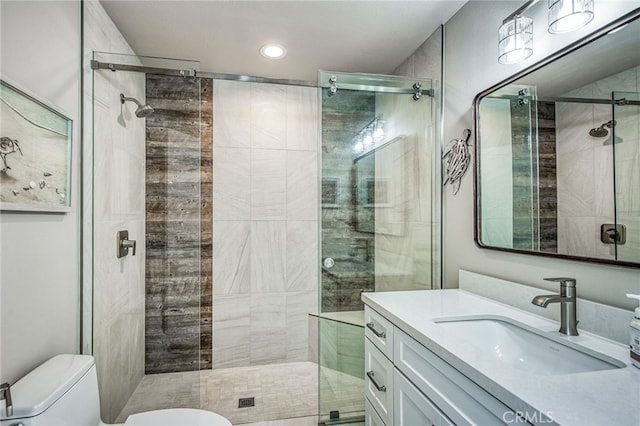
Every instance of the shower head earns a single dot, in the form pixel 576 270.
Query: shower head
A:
pixel 142 111
pixel 600 132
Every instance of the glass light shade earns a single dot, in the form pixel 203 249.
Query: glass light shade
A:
pixel 515 42
pixel 569 15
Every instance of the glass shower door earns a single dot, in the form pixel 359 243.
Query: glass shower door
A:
pixel 146 317
pixel 378 166
pixel 625 140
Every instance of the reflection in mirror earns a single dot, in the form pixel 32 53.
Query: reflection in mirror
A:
pixel 558 154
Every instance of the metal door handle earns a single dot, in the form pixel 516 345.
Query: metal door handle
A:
pixel 372 327
pixel 382 388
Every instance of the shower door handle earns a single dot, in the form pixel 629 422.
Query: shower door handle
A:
pixel 123 244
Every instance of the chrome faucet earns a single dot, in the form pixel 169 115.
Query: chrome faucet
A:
pixel 567 300
pixel 5 393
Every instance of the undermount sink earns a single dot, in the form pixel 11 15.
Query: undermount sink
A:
pixel 519 346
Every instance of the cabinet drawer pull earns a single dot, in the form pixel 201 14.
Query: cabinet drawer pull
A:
pixel 382 388
pixel 372 327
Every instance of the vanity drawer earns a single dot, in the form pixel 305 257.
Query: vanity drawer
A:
pixel 378 381
pixel 411 407
pixel 371 418
pixel 379 330
pixel 461 400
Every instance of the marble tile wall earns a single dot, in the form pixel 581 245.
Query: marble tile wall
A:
pixel 586 170
pixel 265 222
pixel 179 228
pixel 114 293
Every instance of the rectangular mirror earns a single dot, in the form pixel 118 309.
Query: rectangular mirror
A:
pixel 557 170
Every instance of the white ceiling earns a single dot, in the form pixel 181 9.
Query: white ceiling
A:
pixel 226 35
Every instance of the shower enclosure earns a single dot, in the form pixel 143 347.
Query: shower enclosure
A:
pixel 230 193
pixel 378 207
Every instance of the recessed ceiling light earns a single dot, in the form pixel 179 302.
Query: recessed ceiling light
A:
pixel 273 51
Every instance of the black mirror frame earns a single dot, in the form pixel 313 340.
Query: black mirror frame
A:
pixel 477 229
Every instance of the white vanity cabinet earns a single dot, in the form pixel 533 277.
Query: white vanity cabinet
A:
pixel 409 385
pixel 412 407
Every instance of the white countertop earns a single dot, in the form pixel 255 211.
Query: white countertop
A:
pixel 607 397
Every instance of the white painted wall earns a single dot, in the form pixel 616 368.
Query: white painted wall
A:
pixel 471 66
pixel 40 275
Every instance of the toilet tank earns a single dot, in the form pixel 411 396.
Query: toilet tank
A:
pixel 62 391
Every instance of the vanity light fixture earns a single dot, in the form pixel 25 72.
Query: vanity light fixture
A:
pixel 273 51
pixel 515 42
pixel 569 15
pixel 516 32
pixel 369 136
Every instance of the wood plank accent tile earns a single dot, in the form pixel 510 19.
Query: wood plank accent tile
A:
pixel 178 330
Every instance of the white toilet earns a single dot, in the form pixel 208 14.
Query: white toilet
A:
pixel 64 392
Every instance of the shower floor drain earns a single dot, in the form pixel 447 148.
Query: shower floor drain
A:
pixel 246 402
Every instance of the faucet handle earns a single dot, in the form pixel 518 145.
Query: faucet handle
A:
pixel 564 281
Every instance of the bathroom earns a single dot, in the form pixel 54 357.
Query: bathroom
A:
pixel 47 259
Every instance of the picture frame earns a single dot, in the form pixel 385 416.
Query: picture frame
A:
pixel 35 152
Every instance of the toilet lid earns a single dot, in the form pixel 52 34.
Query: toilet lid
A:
pixel 177 417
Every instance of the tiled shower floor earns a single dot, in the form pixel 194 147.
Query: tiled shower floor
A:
pixel 281 391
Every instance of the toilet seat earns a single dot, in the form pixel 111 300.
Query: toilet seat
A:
pixel 177 417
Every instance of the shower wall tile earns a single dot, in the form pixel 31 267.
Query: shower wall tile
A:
pixel 298 306
pixel 232 112
pixel 232 177
pixel 569 117
pixel 302 248
pixel 268 323
pixel 268 184
pixel 232 337
pixel 625 81
pixel 268 261
pixel 604 197
pixel 575 196
pixel 425 64
pixel 268 116
pixel 302 118
pixel 232 257
pixel 578 236
pixel 406 68
pixel 302 185
pixel 265 224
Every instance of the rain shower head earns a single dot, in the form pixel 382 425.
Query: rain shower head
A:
pixel 600 132
pixel 142 111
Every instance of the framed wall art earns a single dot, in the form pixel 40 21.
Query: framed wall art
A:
pixel 35 153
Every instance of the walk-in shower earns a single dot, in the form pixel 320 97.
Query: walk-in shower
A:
pixel 225 305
